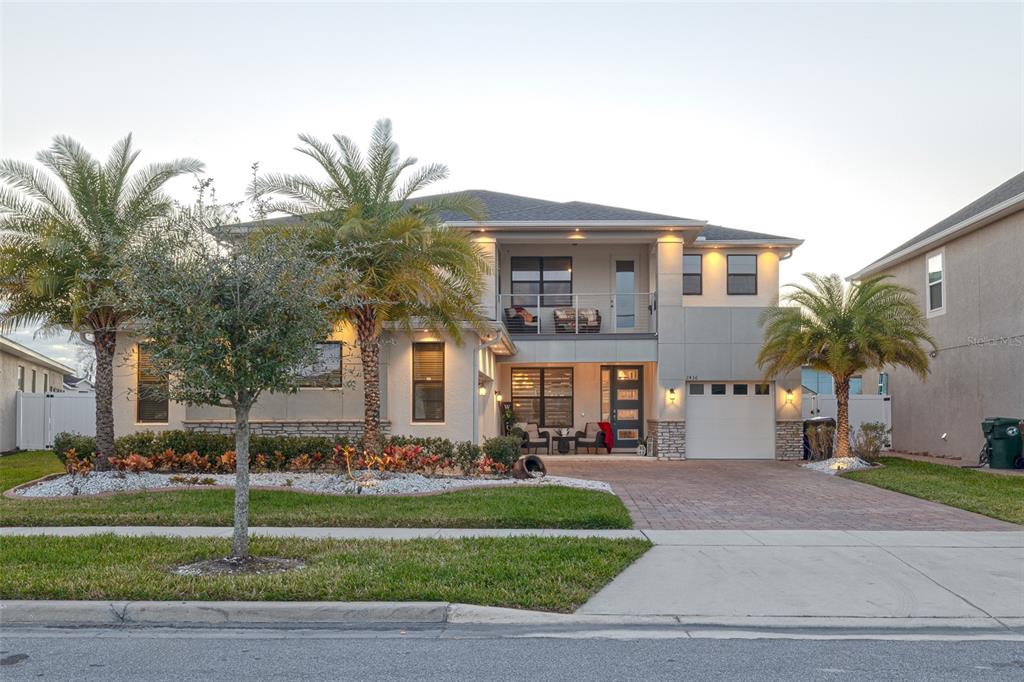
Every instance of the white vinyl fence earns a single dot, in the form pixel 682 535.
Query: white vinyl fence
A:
pixel 863 408
pixel 41 416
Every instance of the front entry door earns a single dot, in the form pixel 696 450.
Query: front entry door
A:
pixel 627 406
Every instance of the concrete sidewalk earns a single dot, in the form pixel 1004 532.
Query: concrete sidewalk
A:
pixel 833 574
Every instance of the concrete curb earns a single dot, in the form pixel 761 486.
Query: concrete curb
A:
pixel 47 613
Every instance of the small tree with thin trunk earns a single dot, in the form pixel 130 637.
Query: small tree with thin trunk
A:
pixel 843 331
pixel 227 323
pixel 65 229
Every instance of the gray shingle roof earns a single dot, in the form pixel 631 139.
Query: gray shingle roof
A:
pixel 502 207
pixel 1007 190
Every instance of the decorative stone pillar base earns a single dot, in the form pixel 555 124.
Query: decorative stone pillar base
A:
pixel 668 438
pixel 789 440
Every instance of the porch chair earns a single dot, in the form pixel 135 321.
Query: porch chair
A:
pixel 533 437
pixel 519 320
pixel 565 320
pixel 591 438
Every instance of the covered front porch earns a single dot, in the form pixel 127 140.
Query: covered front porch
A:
pixel 565 399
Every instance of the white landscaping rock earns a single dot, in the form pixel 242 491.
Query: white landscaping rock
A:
pixel 324 483
pixel 837 465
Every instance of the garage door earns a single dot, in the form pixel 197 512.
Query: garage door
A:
pixel 730 420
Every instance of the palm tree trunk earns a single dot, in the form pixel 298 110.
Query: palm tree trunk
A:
pixel 369 353
pixel 240 538
pixel 842 418
pixel 104 344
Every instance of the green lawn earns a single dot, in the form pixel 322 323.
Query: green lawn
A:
pixel 548 507
pixel 554 574
pixel 1001 497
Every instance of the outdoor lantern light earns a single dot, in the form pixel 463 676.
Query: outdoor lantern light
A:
pixel 671 395
pixel 789 396
pixel 483 390
pixel 497 396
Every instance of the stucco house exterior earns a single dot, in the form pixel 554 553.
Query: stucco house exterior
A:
pixel 596 313
pixel 970 285
pixel 23 370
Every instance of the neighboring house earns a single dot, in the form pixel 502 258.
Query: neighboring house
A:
pixel 73 384
pixel 969 281
pixel 23 369
pixel 647 321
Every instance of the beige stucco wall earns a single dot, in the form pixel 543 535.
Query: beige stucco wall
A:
pixel 970 378
pixel 9 386
pixel 714 266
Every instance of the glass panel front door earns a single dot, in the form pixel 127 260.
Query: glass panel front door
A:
pixel 627 410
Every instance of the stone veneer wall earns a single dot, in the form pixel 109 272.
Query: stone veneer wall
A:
pixel 349 428
pixel 669 438
pixel 789 440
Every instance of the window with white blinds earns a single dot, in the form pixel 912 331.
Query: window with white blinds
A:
pixel 543 395
pixel 428 382
pixel 152 391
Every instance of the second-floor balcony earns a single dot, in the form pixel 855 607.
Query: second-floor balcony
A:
pixel 578 313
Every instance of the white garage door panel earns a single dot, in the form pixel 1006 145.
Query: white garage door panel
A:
pixel 730 426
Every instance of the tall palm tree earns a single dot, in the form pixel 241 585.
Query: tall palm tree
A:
pixel 395 263
pixel 844 331
pixel 64 236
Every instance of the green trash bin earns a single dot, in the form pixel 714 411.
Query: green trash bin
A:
pixel 1003 440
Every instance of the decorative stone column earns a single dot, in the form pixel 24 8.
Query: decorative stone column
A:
pixel 789 440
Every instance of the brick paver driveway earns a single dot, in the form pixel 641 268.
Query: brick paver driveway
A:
pixel 762 495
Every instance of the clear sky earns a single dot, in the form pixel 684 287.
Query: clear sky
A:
pixel 851 126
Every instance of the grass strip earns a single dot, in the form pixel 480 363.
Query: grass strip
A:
pixel 542 507
pixel 995 495
pixel 551 574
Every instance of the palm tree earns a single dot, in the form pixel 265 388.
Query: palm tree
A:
pixel 64 236
pixel 843 331
pixel 395 263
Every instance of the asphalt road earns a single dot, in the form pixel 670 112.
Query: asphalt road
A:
pixel 475 653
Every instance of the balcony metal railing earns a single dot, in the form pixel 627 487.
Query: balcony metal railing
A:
pixel 607 313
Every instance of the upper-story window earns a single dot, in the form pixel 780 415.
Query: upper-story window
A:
pixel 936 297
pixel 546 277
pixel 741 277
pixel 693 276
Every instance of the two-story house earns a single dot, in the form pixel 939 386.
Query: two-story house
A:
pixel 597 313
pixel 966 273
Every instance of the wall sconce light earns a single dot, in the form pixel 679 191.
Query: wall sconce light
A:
pixel 672 395
pixel 482 389
pixel 789 396
pixel 497 396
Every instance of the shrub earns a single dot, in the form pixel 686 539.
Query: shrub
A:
pixel 869 440
pixel 502 451
pixel 84 446
pixel 819 440
pixel 467 457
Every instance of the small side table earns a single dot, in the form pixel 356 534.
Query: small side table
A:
pixel 564 439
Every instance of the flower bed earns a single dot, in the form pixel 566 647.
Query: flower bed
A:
pixel 358 483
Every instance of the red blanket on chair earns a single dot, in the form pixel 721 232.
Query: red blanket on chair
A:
pixel 609 439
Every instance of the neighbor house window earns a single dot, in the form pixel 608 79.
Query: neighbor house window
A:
pixel 152 389
pixel 741 277
pixel 883 383
pixel 936 283
pixel 21 378
pixel 543 395
pixel 816 381
pixel 428 382
pixel 326 369
pixel 856 385
pixel 33 381
pixel 46 382
pixel 693 277
pixel 549 277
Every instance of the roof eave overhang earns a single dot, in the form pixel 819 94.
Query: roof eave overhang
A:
pixel 763 243
pixel 986 217
pixel 25 353
pixel 561 225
